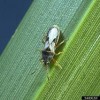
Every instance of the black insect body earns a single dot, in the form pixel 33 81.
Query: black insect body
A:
pixel 47 57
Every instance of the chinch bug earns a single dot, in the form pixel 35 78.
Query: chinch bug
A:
pixel 50 45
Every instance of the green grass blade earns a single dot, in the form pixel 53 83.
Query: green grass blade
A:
pixel 23 77
pixel 81 62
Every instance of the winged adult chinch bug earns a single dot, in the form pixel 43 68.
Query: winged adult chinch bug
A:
pixel 50 45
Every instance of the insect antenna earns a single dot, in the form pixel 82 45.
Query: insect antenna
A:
pixel 47 68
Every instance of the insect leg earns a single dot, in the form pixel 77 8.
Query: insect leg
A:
pixel 44 38
pixel 58 53
pixel 57 63
pixel 60 44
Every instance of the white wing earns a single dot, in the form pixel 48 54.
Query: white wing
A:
pixel 53 33
pixel 46 45
pixel 52 47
